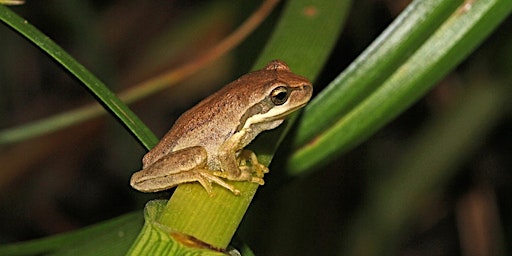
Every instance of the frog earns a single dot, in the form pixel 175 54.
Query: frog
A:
pixel 207 143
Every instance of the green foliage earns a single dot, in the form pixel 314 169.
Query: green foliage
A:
pixel 424 43
pixel 112 237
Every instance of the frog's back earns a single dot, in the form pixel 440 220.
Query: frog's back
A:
pixel 207 124
pixel 216 118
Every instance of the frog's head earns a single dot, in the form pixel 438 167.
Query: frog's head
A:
pixel 279 93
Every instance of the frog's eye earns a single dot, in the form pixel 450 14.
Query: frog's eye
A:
pixel 279 95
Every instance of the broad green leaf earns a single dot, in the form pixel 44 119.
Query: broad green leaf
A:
pixel 440 49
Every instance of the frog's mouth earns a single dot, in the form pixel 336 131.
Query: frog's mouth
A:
pixel 282 116
pixel 275 114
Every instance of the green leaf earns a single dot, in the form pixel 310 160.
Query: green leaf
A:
pixel 431 56
pixel 305 35
pixel 111 237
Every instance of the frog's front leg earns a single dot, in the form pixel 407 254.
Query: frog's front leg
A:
pixel 244 167
pixel 178 167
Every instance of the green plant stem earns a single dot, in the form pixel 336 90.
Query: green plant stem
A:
pixel 211 219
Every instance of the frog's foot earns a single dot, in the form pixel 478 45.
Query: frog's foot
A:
pixel 205 178
pixel 249 174
pixel 245 175
pixel 249 161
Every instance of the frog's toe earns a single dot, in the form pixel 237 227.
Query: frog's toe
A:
pixel 263 168
pixel 209 177
pixel 258 180
pixel 220 174
pixel 207 185
pixel 258 171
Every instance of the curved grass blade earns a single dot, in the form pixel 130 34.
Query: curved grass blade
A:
pixel 92 83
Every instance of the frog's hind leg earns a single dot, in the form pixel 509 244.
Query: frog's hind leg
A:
pixel 203 176
pixel 182 166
